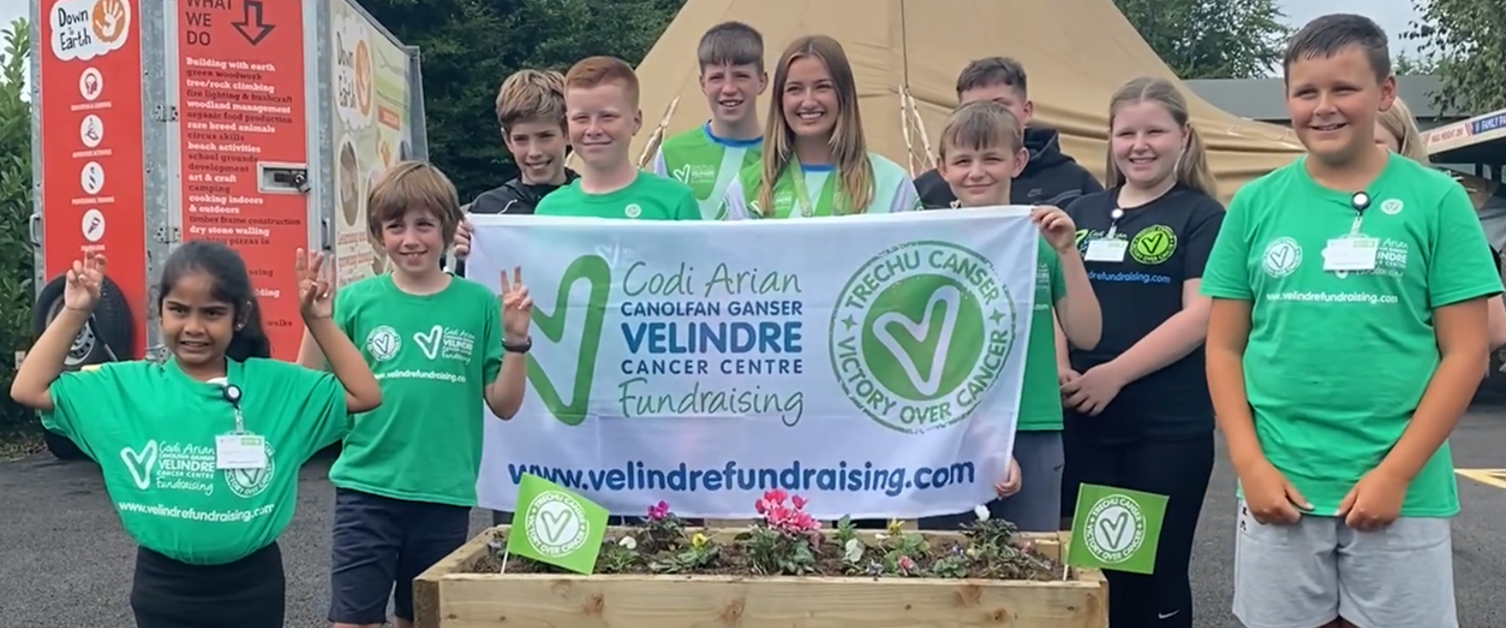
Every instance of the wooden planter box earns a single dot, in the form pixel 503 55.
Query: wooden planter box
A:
pixel 446 596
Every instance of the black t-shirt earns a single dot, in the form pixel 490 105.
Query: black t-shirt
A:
pixel 1169 240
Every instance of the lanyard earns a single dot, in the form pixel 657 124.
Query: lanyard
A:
pixel 232 395
pixel 800 192
pixel 1360 202
pixel 1114 217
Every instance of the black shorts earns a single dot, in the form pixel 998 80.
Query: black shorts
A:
pixel 380 545
pixel 248 593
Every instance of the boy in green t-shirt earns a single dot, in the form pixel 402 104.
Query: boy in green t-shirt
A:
pixel 1346 338
pixel 602 116
pixel 982 151
pixel 709 157
pixel 440 345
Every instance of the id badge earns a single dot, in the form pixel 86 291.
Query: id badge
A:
pixel 1103 250
pixel 1350 254
pixel 240 451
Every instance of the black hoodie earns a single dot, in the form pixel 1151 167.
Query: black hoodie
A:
pixel 1049 178
pixel 514 197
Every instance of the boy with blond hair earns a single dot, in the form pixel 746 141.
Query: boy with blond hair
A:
pixel 405 481
pixel 531 114
pixel 601 117
pixel 981 152
pixel 709 157
pixel 1346 338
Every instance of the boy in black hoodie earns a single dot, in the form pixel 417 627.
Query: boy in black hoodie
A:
pixel 531 112
pixel 1050 177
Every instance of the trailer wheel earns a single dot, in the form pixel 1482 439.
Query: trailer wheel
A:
pixel 108 336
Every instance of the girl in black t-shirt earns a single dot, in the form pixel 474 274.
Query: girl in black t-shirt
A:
pixel 1138 414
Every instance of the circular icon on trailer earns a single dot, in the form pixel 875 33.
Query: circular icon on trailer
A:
pixel 94 225
pixel 92 178
pixel 91 130
pixel 90 84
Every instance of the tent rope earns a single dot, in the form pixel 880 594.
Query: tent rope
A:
pixel 658 136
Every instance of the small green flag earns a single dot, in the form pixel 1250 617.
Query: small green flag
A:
pixel 556 526
pixel 1116 528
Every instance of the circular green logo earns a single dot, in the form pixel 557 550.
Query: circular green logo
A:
pixel 248 483
pixel 1115 529
pixel 920 334
pixel 1153 245
pixel 555 524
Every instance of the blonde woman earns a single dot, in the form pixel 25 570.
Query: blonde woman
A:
pixel 1396 130
pixel 815 160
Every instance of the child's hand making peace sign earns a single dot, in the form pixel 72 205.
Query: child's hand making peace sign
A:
pixel 315 292
pixel 517 307
pixel 81 292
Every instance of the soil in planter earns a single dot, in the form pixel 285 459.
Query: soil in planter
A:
pixel 911 554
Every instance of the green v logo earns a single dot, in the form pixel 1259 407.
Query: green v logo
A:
pixel 594 270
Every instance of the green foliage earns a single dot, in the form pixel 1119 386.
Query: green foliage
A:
pixel 1412 65
pixel 1466 41
pixel 1211 38
pixel 469 46
pixel 16 262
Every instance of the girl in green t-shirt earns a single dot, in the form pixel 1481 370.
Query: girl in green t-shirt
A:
pixel 815 160
pixel 200 453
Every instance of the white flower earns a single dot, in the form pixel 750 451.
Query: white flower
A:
pixel 854 551
pixel 982 512
pixel 880 536
pixel 628 542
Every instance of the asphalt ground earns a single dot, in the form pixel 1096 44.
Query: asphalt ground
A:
pixel 64 560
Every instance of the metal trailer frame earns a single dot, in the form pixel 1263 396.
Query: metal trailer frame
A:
pixel 157 24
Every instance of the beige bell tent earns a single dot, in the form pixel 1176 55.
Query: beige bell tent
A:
pixel 907 53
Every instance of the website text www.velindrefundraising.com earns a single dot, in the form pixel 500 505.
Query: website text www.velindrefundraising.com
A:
pixel 637 476
pixel 1333 297
pixel 194 514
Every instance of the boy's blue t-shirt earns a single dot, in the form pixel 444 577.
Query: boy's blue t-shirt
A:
pixel 433 355
pixel 1338 361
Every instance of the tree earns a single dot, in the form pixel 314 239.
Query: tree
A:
pixel 469 46
pixel 16 289
pixel 1466 41
pixel 1211 38
pixel 1412 65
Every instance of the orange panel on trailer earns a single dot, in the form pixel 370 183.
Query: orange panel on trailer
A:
pixel 91 113
pixel 243 127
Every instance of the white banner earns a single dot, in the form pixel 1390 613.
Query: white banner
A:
pixel 870 364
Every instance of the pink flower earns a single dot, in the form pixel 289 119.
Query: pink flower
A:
pixel 798 501
pixel 906 564
pixel 777 496
pixel 659 511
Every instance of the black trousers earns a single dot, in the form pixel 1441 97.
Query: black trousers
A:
pixel 1178 469
pixel 248 593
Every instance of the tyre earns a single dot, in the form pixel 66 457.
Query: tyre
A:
pixel 108 336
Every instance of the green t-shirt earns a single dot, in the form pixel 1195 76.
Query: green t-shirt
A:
pixel 1337 361
pixel 801 187
pixel 152 429
pixel 1040 395
pixel 648 197
pixel 434 356
pixel 706 163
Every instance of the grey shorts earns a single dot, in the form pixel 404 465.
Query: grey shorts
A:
pixel 1317 570
pixel 1037 507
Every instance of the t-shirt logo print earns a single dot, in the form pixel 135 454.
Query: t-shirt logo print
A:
pixel 594 270
pixel 141 463
pixel 249 483
pixel 916 326
pixel 1153 245
pixel 1282 256
pixel 383 343
pixel 430 342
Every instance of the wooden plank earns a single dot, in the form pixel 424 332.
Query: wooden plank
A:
pixel 446 597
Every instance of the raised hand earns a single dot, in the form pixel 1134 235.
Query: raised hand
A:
pixel 517 307
pixel 315 291
pixel 81 290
